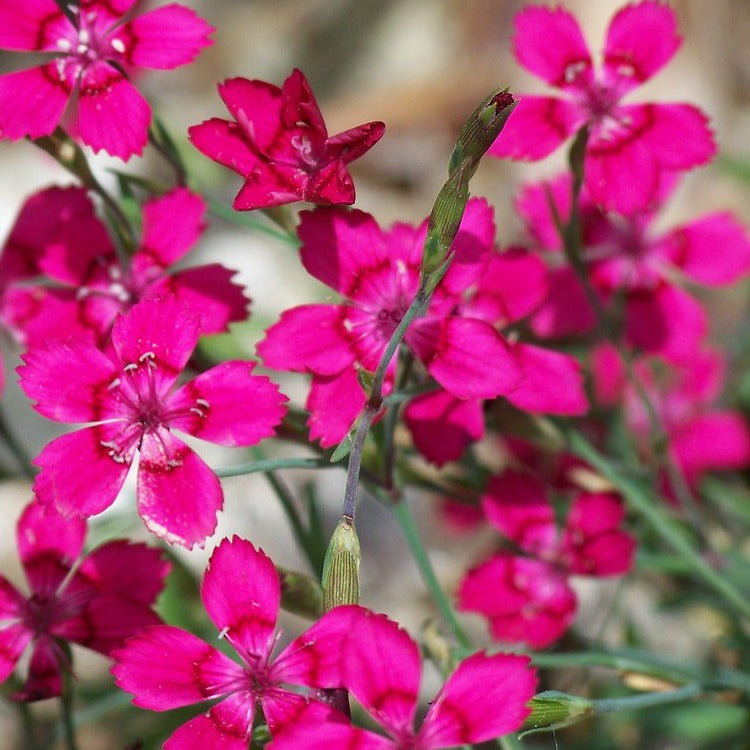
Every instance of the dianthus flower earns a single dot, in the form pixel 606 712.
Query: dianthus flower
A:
pixel 91 284
pixel 280 145
pixel 527 598
pixel 511 285
pixel 629 145
pixel 627 262
pixel 166 667
pixel 128 395
pixel 484 698
pixel 92 50
pixel 701 436
pixel 377 273
pixel 96 600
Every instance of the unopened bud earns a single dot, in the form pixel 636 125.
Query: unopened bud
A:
pixel 477 135
pixel 300 594
pixel 553 710
pixel 341 566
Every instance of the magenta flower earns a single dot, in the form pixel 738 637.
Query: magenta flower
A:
pixel 628 263
pixel 527 598
pixel 91 283
pixel 702 436
pixel 166 667
pixel 512 285
pixel 280 145
pixel 377 273
pixel 96 600
pixel 484 698
pixel 91 56
pixel 629 145
pixel 129 397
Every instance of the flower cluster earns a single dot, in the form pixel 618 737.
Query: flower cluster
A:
pixel 481 361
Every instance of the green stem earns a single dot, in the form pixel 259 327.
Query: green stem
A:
pixel 270 464
pixel 647 700
pixel 244 220
pixel 66 714
pixel 421 558
pixel 651 508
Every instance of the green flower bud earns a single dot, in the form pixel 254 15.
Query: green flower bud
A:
pixel 552 710
pixel 341 566
pixel 300 594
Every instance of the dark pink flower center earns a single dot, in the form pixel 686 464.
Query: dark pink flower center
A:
pixel 91 41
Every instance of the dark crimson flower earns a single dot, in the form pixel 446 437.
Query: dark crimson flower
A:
pixel 96 600
pixel 280 145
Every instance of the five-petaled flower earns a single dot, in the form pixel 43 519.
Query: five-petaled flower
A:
pixel 483 698
pixel 128 396
pixel 93 49
pixel 280 145
pixel 166 667
pixel 629 145
pixel 97 600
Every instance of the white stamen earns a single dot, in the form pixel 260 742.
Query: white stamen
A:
pixel 224 631
pixel 64 44
pixel 114 384
pixel 202 402
pixel 118 45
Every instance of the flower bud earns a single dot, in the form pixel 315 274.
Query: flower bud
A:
pixel 341 566
pixel 552 709
pixel 300 594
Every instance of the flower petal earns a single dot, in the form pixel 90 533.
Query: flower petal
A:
pixel 13 639
pixel 536 127
pixel 178 495
pixel 69 381
pixel 229 405
pixel 241 593
pixel 79 476
pixel 552 382
pixel 32 101
pixel 468 357
pixel 225 143
pixel 165 667
pixel 483 698
pixel 43 532
pixel 291 345
pixel 164 38
pixel 334 403
pixel 642 38
pixel 31 25
pixel 256 106
pixel 162 328
pixel 443 426
pixel 112 114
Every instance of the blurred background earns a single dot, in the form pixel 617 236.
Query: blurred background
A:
pixel 421 66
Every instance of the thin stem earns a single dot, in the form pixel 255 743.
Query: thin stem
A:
pixel 66 714
pixel 235 217
pixel 647 700
pixel 651 508
pixel 422 559
pixel 270 464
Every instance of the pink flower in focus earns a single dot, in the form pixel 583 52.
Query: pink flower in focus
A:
pixel 631 264
pixel 166 667
pixel 377 273
pixel 91 54
pixel 91 285
pixel 129 397
pixel 528 599
pixel 629 145
pixel 484 698
pixel 97 600
pixel 280 145
pixel 511 286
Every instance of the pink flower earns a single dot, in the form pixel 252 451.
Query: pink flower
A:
pixel 702 437
pixel 631 264
pixel 377 273
pixel 511 285
pixel 280 145
pixel 483 698
pixel 96 600
pixel 528 599
pixel 166 667
pixel 92 53
pixel 629 145
pixel 128 396
pixel 91 283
